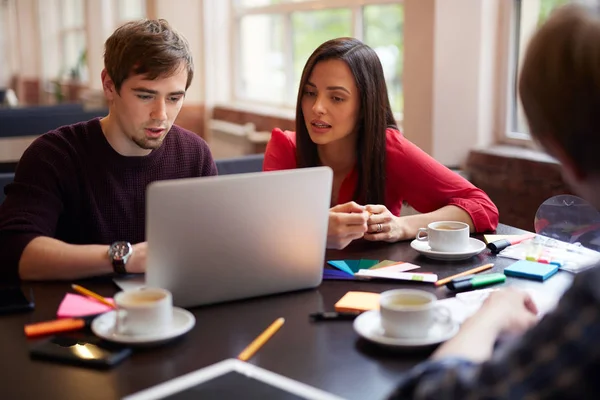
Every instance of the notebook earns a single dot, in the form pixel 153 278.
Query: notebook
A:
pixel 531 270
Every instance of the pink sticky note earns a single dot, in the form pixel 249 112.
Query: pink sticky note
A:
pixel 74 305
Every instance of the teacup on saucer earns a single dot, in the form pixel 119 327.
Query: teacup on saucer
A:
pixel 368 326
pixel 474 247
pixel 182 322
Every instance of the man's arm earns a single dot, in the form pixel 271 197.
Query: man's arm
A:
pixel 505 311
pixel 556 358
pixel 45 258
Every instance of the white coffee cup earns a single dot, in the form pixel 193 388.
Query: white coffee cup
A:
pixel 409 313
pixel 446 236
pixel 144 311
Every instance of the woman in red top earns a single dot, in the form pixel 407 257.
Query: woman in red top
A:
pixel 344 121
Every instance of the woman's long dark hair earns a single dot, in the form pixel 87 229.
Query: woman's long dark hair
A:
pixel 375 115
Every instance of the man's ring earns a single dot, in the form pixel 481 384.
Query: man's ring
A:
pixel 379 228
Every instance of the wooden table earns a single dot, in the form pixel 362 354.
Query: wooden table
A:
pixel 327 355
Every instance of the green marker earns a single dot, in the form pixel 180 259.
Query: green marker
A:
pixel 475 282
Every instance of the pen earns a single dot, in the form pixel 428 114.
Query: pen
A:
pixel 95 296
pixel 257 343
pixel 499 245
pixel 333 316
pixel 469 272
pixel 474 282
pixel 58 325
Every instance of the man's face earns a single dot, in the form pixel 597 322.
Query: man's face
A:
pixel 144 110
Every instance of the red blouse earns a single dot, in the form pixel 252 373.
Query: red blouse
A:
pixel 411 175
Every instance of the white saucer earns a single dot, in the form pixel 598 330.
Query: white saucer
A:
pixel 476 246
pixel 368 326
pixel 104 327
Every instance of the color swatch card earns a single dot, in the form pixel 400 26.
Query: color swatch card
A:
pixel 74 305
pixel 358 301
pixel 351 267
pixel 531 270
pixel 331 274
pixel 398 271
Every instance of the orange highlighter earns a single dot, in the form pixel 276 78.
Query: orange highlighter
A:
pixel 57 326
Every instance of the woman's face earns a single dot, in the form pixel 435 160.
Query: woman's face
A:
pixel 330 103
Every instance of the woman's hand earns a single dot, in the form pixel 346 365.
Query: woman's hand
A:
pixel 347 222
pixel 384 226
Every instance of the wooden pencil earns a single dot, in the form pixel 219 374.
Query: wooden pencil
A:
pixel 469 272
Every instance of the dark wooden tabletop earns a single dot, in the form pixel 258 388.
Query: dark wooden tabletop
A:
pixel 327 355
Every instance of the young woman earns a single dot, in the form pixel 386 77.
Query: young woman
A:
pixel 344 121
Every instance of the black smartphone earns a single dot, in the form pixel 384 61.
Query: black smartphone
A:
pixel 12 299
pixel 88 351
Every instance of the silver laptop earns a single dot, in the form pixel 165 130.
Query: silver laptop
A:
pixel 222 238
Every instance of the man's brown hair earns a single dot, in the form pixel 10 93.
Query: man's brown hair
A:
pixel 146 47
pixel 560 84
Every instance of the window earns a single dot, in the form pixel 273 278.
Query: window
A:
pixel 528 16
pixel 129 10
pixel 73 40
pixel 274 38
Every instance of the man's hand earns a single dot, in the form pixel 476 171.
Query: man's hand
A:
pixel 137 262
pixel 347 222
pixel 509 311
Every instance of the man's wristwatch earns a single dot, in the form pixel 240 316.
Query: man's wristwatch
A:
pixel 119 253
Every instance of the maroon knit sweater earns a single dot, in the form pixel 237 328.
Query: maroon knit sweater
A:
pixel 71 185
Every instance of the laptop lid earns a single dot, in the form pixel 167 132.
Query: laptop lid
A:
pixel 221 238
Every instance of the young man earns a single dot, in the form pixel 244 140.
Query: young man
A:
pixel 77 204
pixel 558 358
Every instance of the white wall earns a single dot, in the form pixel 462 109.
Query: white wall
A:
pixel 464 72
pixel 186 18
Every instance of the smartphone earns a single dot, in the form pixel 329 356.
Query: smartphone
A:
pixel 13 300
pixel 88 351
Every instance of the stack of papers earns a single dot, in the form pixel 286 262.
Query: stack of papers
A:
pixel 570 257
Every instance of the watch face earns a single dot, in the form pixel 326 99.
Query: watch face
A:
pixel 120 250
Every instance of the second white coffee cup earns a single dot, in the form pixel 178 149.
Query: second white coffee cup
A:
pixel 409 313
pixel 144 311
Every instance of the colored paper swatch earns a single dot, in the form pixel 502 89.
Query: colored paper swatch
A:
pixel 385 263
pixel 366 264
pixel 341 265
pixel 74 305
pixel 330 274
pixel 353 265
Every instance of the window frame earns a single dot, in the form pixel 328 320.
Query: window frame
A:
pixel 64 31
pixel 285 9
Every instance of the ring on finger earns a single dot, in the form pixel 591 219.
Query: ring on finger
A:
pixel 379 228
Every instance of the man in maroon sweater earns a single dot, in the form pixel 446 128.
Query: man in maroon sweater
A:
pixel 77 204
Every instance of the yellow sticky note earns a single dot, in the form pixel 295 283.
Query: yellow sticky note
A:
pixel 358 301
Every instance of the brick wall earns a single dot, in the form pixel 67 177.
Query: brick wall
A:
pixel 517 181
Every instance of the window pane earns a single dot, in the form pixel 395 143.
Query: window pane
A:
pixel 261 61
pixel 383 31
pixel 530 14
pixel 72 13
pixel 257 3
pixel 311 29
pixel 131 9
pixel 260 3
pixel 74 66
